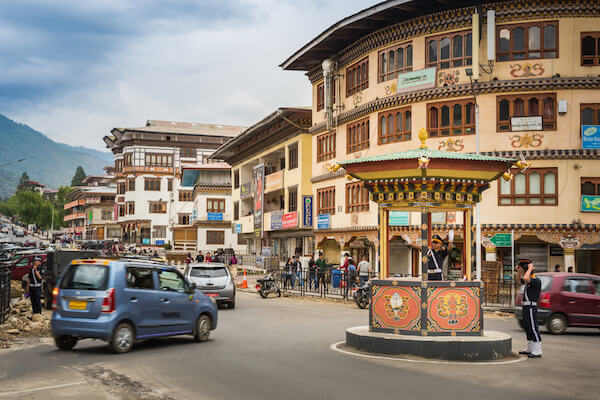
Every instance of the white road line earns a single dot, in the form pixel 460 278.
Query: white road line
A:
pixel 41 388
pixel 334 347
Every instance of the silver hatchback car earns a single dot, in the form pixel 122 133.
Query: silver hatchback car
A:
pixel 214 280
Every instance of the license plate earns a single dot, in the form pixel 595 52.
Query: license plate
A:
pixel 77 305
pixel 212 294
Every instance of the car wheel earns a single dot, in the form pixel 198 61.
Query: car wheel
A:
pixel 231 304
pixel 65 342
pixel 203 326
pixel 557 324
pixel 123 338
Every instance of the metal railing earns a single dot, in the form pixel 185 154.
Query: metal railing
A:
pixel 4 294
pixel 333 282
pixel 498 293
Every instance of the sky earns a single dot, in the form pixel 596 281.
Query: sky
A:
pixel 75 69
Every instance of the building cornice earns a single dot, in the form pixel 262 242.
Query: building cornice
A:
pixel 330 175
pixel 547 154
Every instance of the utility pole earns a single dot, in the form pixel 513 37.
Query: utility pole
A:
pixel 12 162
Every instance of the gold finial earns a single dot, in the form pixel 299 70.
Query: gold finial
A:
pixel 335 167
pixel 423 137
pixel 349 177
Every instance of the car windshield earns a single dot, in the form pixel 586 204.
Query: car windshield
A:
pixel 204 272
pixel 87 277
pixel 546 282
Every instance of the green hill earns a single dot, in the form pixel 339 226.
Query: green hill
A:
pixel 46 161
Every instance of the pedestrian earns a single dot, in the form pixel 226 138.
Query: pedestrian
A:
pixel 321 271
pixel 233 260
pixel 155 255
pixel 570 269
pixel 34 288
pixel 208 258
pixel 312 273
pixel 351 275
pixel 531 295
pixel 287 272
pixel 188 259
pixel 557 268
pixel 200 257
pixel 364 270
pixel 298 270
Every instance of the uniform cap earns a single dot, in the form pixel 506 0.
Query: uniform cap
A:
pixel 437 238
pixel 524 262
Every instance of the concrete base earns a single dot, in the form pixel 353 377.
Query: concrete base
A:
pixel 491 346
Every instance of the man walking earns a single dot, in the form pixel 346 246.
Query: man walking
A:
pixel 531 294
pixel 312 273
pixel 321 271
pixel 35 286
pixel 364 270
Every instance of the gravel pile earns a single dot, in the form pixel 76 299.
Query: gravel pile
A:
pixel 22 323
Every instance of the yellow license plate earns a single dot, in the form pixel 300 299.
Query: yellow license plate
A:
pixel 77 305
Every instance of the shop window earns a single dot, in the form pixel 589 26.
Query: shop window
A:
pixel 394 125
pixel 326 146
pixel 151 184
pixel 590 48
pixel 130 185
pixel 451 118
pixel 158 207
pixel 215 237
pixel 215 205
pixel 130 208
pixel 533 187
pixel 357 197
pixel 326 200
pixel 394 61
pixel 236 179
pixel 449 50
pixel 293 156
pixel 357 77
pixel 292 199
pixel 590 186
pixel 183 219
pixel 185 196
pixel 526 105
pixel 357 136
pixel 527 41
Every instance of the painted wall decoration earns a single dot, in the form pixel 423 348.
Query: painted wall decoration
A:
pixel 526 140
pixel 391 88
pixel 357 99
pixel 451 145
pixel 447 78
pixel 524 70
pixel 397 308
pixel 453 309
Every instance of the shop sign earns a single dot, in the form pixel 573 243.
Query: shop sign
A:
pixel 323 221
pixel 416 80
pixel 590 136
pixel 274 181
pixel 267 251
pixel 276 217
pixel 290 220
pixel 194 214
pixel 146 241
pixel 160 241
pixel 258 180
pixel 451 217
pixel 556 251
pixel 590 203
pixel 246 190
pixel 519 124
pixel 90 216
pixel 237 228
pixel 502 239
pixel 307 214
pixel 398 218
pixel 438 218
pixel 214 216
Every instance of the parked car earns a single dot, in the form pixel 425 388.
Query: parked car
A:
pixel 123 301
pixel 22 263
pixel 19 233
pixel 566 299
pixel 214 280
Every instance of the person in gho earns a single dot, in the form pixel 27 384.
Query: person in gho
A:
pixel 531 295
pixel 436 255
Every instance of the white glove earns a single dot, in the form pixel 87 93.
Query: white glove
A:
pixel 451 235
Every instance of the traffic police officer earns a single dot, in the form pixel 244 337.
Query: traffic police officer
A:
pixel 436 256
pixel 531 295
pixel 35 286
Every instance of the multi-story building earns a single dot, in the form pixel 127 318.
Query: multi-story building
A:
pixel 90 213
pixel 529 84
pixel 272 192
pixel 151 204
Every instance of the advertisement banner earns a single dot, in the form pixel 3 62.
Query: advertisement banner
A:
pixel 237 228
pixel 307 211
pixel 590 203
pixel 398 218
pixel 290 220
pixel 590 136
pixel 258 182
pixel 215 216
pixel 323 221
pixel 246 190
pixel 276 220
pixel 416 80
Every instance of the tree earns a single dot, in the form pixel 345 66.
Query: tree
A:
pixel 23 182
pixel 78 177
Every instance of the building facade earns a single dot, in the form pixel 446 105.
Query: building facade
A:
pixel 89 215
pixel 152 206
pixel 530 85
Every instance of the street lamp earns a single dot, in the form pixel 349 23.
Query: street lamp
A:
pixel 12 162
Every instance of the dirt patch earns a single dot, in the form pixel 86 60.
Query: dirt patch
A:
pixel 23 324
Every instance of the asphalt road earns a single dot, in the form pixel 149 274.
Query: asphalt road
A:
pixel 280 349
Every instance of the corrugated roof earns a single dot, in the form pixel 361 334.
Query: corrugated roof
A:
pixel 431 154
pixel 187 128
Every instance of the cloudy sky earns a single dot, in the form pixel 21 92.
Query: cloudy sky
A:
pixel 74 69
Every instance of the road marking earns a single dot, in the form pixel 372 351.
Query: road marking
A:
pixel 41 388
pixel 335 347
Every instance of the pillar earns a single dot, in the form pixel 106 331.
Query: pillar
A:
pixel 569 261
pixel 468 213
pixel 424 241
pixel 383 242
pixel 490 253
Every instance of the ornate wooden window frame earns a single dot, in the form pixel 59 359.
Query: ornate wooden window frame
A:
pixel 152 184
pixel 437 130
pixel 215 237
pixel 593 180
pixel 453 61
pixel 326 200
pixel 542 196
pixel 326 143
pixel 595 58
pixel 384 73
pixel 526 51
pixel 548 124
pixel 357 136
pixel 357 77
pixel 220 205
pixel 388 132
pixel 357 197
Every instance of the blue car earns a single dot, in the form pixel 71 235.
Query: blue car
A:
pixel 122 301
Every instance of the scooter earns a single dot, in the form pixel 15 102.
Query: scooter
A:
pixel 362 294
pixel 267 285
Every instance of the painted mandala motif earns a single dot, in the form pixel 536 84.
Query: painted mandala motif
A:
pixel 453 309
pixel 396 307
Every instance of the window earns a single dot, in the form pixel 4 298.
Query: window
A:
pixel 170 185
pixel 171 281
pixel 151 184
pixel 357 136
pixel 158 207
pixel 394 61
pixel 121 208
pixel 107 215
pixel 293 156
pixel 357 77
pixel 139 278
pixel 590 48
pixel 590 114
pixel 127 159
pixel 236 210
pixel 215 237
pixel 527 41
pixel 187 153
pixel 449 50
pixel 118 165
pixel 130 208
pixel 590 186
pixel 159 160
pixel 293 199
pixel 533 187
pixel 159 231
pixel 130 185
pixel 577 285
pixel 451 118
pixel 236 179
pixel 326 146
pixel 357 197
pixel 526 105
pixel 121 188
pixel 326 200
pixel 394 125
pixel 215 205
pixel 185 196
pixel 183 219
pixel 321 95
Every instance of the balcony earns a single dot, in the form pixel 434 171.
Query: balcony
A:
pixel 75 215
pixel 247 224
pixel 74 203
pixel 274 181
pixel 163 170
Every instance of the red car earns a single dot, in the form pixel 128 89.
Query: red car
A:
pixel 23 264
pixel 567 299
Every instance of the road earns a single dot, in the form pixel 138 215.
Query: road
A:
pixel 279 348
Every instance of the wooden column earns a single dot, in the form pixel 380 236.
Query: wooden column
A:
pixel 383 242
pixel 425 238
pixel 468 213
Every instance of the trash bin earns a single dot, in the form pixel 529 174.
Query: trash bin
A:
pixel 336 277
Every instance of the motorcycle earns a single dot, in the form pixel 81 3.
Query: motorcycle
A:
pixel 362 294
pixel 267 285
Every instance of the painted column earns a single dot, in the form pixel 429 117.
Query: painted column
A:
pixel 569 255
pixel 424 239
pixel 468 242
pixel 490 253
pixel 383 243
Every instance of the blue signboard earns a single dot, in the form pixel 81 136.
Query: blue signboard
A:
pixel 307 215
pixel 590 203
pixel 398 218
pixel 160 241
pixel 590 136
pixel 276 220
pixel 237 228
pixel 323 221
pixel 214 216
pixel 146 241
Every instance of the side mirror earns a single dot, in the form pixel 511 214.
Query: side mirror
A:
pixel 192 287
